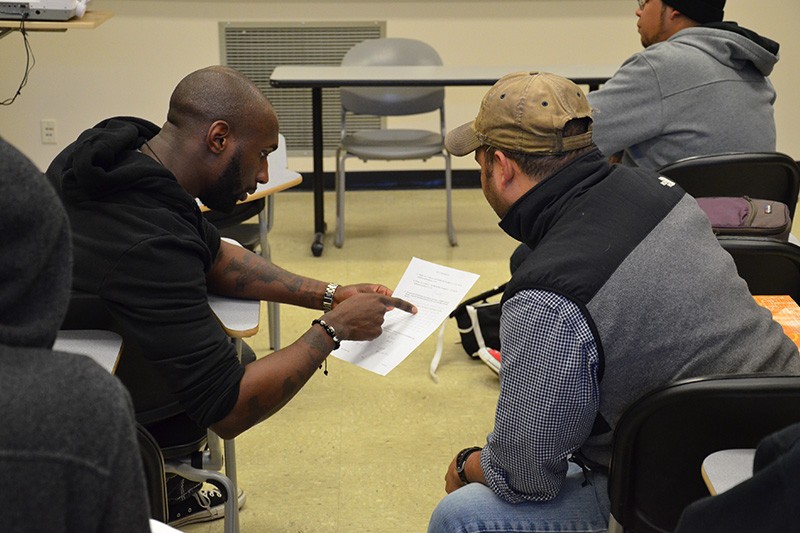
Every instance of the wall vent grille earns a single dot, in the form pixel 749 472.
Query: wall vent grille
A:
pixel 255 49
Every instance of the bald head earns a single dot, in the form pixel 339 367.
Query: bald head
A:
pixel 219 130
pixel 218 93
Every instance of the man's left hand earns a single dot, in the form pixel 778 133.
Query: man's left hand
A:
pixel 451 479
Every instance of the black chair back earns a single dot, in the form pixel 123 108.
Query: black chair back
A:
pixel 662 439
pixel 765 175
pixel 232 225
pixel 768 266
pixel 153 463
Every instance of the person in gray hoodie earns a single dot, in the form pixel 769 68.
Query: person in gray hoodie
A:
pixel 699 87
pixel 68 449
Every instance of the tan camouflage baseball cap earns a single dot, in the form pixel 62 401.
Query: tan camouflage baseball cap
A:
pixel 525 112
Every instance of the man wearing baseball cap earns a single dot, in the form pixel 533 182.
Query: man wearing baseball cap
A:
pixel 625 289
pixel 699 87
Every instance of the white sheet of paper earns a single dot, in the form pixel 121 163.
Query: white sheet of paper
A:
pixel 436 290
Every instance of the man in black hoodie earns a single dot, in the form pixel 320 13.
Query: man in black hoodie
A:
pixel 68 448
pixel 143 246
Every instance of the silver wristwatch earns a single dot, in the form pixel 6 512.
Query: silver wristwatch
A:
pixel 327 298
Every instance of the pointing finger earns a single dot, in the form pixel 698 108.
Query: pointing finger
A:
pixel 399 303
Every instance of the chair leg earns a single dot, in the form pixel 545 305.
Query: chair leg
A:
pixel 273 309
pixel 339 238
pixel 213 457
pixel 263 230
pixel 230 461
pixel 274 320
pixel 448 182
pixel 230 446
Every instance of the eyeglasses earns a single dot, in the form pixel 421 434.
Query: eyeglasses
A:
pixel 263 154
pixel 642 3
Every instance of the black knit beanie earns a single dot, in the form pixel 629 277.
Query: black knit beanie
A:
pixel 36 256
pixel 701 11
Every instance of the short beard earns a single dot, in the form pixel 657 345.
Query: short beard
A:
pixel 660 36
pixel 222 195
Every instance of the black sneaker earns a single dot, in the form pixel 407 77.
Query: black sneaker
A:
pixel 202 505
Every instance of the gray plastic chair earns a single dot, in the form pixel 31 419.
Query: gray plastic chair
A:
pixel 395 143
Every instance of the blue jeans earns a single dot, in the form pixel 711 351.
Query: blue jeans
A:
pixel 475 508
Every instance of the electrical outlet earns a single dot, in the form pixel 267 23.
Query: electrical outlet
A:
pixel 48 129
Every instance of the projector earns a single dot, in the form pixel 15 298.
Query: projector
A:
pixel 43 10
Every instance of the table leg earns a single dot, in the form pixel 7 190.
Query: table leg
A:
pixel 318 180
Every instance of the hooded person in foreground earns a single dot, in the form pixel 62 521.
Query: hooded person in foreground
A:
pixel 68 448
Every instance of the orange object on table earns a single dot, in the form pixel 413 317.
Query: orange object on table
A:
pixel 785 311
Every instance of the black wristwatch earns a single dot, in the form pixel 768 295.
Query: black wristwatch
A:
pixel 461 462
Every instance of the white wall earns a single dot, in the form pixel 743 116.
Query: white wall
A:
pixel 130 64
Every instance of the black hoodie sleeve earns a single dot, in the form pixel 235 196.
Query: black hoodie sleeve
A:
pixel 157 292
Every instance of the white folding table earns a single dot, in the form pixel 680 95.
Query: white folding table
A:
pixel 317 77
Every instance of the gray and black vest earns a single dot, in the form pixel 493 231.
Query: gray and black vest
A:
pixel 638 257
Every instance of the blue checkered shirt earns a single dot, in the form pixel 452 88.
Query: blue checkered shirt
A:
pixel 549 396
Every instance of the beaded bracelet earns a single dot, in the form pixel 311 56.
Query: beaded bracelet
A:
pixel 329 330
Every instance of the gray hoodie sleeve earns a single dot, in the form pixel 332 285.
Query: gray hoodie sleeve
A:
pixel 628 109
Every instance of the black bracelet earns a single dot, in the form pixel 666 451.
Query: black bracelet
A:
pixel 329 330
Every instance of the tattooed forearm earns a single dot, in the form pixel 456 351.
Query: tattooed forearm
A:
pixel 246 272
pixel 315 350
pixel 255 412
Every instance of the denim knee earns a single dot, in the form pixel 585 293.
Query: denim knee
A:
pixel 454 511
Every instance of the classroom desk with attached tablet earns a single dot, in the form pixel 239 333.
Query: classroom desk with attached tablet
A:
pixel 725 469
pixel 104 347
